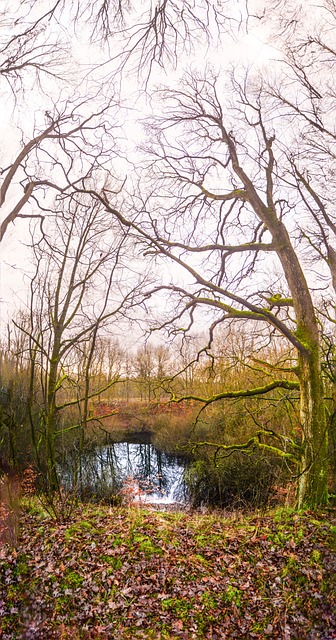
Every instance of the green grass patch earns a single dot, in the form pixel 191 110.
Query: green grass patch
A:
pixel 233 595
pixel 112 561
pixel 81 528
pixel 180 607
pixel 72 580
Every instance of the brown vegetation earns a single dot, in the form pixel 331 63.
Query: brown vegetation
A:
pixel 130 573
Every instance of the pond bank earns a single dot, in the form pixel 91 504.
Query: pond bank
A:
pixel 166 424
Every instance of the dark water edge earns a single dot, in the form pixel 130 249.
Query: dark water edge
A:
pixel 134 469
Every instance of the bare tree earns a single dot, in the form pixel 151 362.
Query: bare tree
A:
pixel 14 385
pixel 238 195
pixel 59 156
pixel 79 288
pixel 151 367
pixel 61 124
pixel 72 125
pixel 30 51
pixel 229 195
pixel 155 34
pixel 303 90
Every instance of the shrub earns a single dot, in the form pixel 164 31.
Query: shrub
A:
pixel 237 482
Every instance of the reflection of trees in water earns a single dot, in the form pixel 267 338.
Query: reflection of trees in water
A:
pixel 143 463
pixel 154 470
pixel 102 470
pixel 96 471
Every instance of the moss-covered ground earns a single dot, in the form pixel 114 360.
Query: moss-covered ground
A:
pixel 138 573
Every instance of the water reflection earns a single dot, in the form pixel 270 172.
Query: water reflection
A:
pixel 155 476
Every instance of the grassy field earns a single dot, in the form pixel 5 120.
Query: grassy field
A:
pixel 130 572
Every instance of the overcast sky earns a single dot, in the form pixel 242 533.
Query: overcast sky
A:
pixel 14 255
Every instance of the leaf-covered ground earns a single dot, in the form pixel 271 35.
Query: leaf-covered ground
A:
pixel 132 573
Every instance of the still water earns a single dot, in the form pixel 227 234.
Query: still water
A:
pixel 138 470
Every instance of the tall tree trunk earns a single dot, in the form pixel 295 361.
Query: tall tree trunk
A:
pixel 313 480
pixel 52 476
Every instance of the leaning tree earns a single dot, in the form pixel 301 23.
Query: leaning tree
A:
pixel 236 189
pixel 223 210
pixel 237 194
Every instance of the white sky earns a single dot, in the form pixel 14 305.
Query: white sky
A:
pixel 14 256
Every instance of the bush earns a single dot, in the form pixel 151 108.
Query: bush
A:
pixel 171 433
pixel 237 482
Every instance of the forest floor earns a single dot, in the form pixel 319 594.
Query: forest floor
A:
pixel 130 572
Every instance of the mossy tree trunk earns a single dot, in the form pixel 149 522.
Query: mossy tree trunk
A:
pixel 312 485
pixel 51 416
pixel 313 480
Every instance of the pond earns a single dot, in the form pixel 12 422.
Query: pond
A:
pixel 138 469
